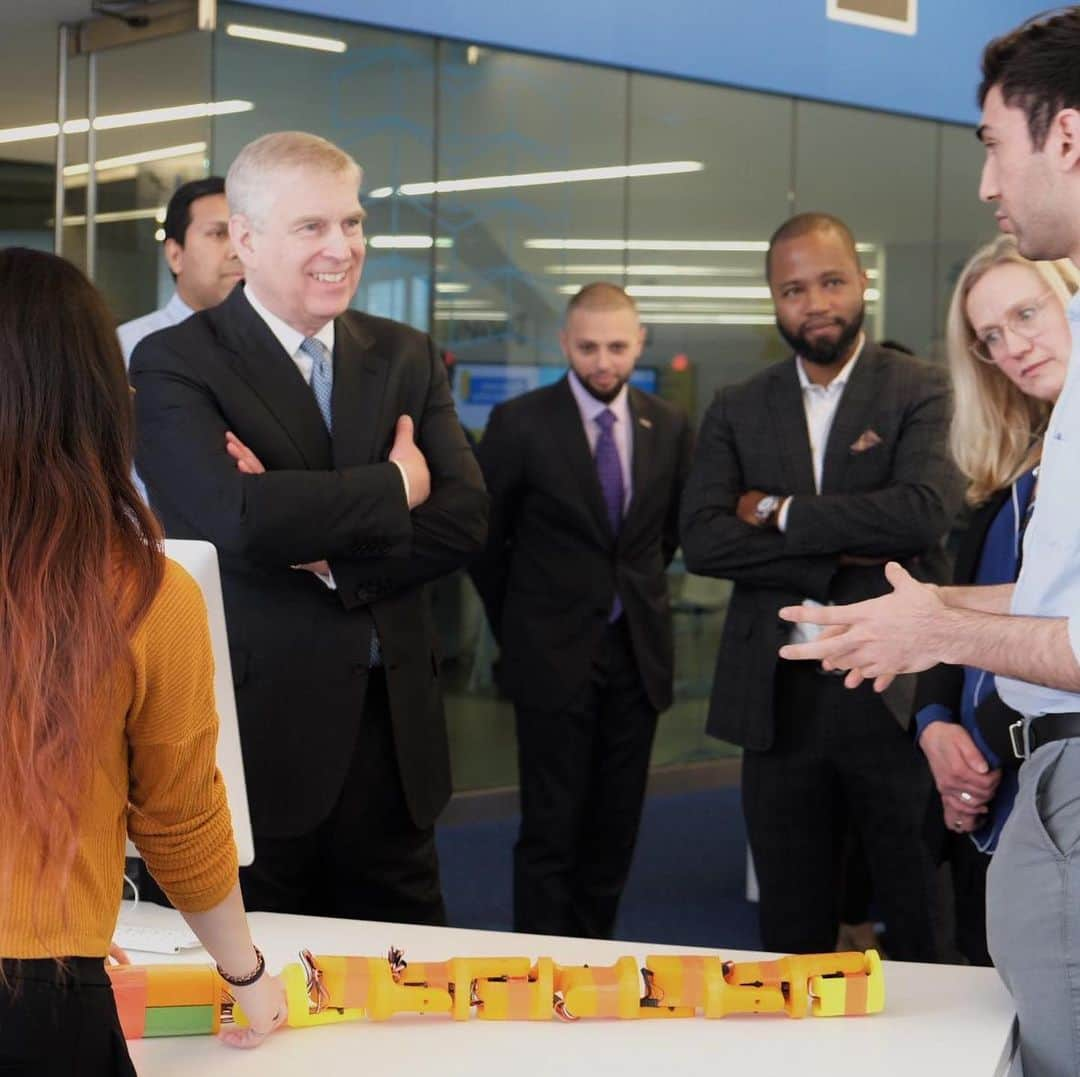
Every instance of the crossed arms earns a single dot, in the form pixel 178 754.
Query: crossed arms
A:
pixel 354 518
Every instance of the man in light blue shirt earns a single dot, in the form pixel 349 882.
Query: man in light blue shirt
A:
pixel 1027 634
pixel 199 255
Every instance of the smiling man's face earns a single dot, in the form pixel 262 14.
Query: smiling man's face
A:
pixel 304 256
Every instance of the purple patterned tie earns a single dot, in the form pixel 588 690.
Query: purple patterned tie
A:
pixel 609 470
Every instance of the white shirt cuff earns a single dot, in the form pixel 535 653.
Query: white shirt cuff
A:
pixel 328 579
pixel 404 480
pixel 781 516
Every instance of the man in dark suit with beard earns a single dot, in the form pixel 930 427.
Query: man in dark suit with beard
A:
pixel 585 477
pixel 318 449
pixel 807 478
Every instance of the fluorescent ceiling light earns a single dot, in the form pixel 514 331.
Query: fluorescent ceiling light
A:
pixel 109 175
pixel 127 119
pixel 666 291
pixel 541 179
pixel 612 269
pixel 472 316
pixel 666 306
pixel 709 319
pixel 408 242
pixel 679 292
pixel 754 246
pixel 669 291
pixel 452 287
pixel 462 304
pixel 280 37
pixel 116 216
pixel 728 246
pixel 188 149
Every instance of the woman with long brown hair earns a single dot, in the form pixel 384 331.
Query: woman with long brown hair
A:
pixel 107 719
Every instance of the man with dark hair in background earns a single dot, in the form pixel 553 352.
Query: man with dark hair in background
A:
pixel 584 477
pixel 1028 633
pixel 807 477
pixel 200 257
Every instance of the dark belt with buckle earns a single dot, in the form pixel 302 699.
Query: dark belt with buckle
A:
pixel 1043 729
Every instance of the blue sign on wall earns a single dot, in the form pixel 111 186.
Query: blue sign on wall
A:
pixel 782 46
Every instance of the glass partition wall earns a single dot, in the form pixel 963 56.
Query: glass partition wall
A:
pixel 496 183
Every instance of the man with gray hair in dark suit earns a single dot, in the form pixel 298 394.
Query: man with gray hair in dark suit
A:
pixel 808 477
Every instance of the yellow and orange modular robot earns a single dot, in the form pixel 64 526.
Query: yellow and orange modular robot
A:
pixel 179 1000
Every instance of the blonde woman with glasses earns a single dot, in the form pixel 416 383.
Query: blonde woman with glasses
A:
pixel 1008 345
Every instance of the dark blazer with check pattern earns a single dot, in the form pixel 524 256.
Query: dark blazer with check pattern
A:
pixel 553 565
pixel 894 499
pixel 299 650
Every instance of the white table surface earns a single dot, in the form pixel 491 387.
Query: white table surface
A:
pixel 938 1019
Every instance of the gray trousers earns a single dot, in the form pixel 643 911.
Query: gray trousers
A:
pixel 1033 910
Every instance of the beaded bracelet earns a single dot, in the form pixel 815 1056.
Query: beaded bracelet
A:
pixel 251 977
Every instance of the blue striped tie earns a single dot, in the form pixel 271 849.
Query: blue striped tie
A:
pixel 322 376
pixel 322 385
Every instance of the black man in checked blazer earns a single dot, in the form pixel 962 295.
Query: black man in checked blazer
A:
pixel 808 477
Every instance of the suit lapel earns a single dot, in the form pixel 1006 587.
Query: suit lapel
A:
pixel 259 359
pixel 643 418
pixel 792 436
pixel 569 432
pixel 359 386
pixel 852 418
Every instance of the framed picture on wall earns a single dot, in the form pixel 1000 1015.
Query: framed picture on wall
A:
pixel 895 16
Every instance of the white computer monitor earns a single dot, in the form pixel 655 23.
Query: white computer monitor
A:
pixel 201 562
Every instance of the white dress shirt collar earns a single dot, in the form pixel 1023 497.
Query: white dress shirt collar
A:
pixel 176 310
pixel 590 407
pixel 289 338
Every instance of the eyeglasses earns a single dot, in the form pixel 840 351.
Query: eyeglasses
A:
pixel 1027 320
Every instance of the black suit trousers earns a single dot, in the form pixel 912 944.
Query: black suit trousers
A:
pixel 55 1023
pixel 367 860
pixel 583 772
pixel 837 751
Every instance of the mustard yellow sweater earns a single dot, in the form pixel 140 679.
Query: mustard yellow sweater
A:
pixel 154 778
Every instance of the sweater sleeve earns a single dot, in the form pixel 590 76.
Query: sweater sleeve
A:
pixel 178 815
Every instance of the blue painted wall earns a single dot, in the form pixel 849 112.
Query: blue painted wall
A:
pixel 784 46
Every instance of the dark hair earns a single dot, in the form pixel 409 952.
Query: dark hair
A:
pixel 1037 69
pixel 178 212
pixel 803 224
pixel 79 559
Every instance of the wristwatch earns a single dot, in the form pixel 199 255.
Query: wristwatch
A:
pixel 766 508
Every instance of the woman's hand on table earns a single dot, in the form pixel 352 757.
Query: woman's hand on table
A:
pixel 265 1007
